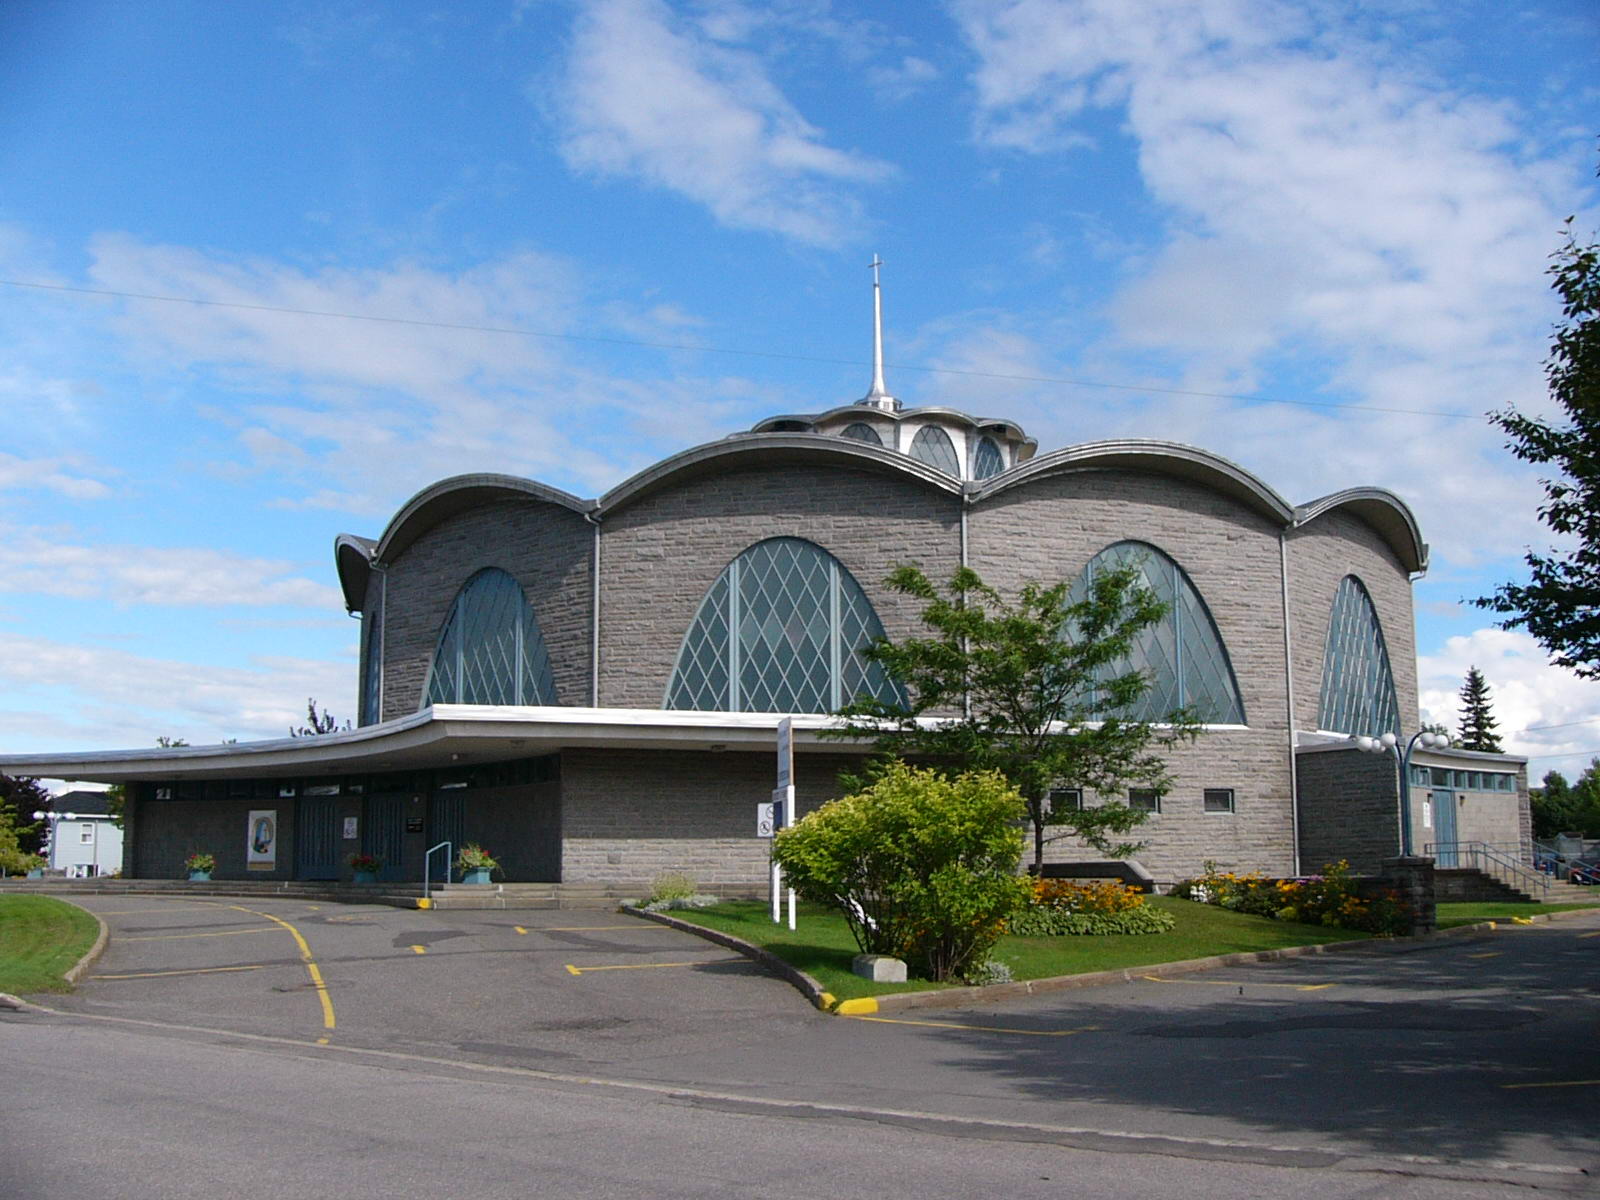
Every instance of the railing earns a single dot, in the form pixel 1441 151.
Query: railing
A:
pixel 1493 861
pixel 427 865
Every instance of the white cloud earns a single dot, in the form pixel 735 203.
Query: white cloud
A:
pixel 1329 210
pixel 1544 712
pixel 648 97
pixel 31 562
pixel 57 475
pixel 116 706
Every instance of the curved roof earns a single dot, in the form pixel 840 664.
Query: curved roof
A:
pixel 1144 454
pixel 858 409
pixel 354 556
pixel 771 449
pixel 1380 508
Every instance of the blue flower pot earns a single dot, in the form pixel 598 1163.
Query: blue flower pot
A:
pixel 475 875
pixel 365 877
pixel 199 876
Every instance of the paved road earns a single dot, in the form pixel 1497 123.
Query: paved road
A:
pixel 1474 1056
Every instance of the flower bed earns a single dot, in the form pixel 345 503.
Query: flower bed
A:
pixel 1100 906
pixel 1334 898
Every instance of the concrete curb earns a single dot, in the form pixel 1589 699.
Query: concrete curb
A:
pixel 966 997
pixel 803 983
pixel 75 973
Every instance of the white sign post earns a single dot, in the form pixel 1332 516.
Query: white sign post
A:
pixel 783 811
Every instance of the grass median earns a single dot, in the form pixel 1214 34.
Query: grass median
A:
pixel 822 947
pixel 41 939
pixel 1450 915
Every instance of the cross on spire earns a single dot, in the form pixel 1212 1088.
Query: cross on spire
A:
pixel 878 396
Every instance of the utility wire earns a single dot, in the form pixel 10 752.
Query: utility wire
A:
pixel 515 331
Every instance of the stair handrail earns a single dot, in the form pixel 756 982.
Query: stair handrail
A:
pixel 427 864
pixel 1510 871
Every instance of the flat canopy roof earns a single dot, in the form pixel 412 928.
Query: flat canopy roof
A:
pixel 446 735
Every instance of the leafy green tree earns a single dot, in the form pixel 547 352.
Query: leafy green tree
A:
pixel 922 865
pixel 20 798
pixel 1560 605
pixel 1562 807
pixel 1477 721
pixel 1042 693
pixel 14 860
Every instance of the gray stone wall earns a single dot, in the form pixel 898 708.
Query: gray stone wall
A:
pixel 1349 809
pixel 631 815
pixel 1320 555
pixel 548 549
pixel 1049 529
pixel 660 555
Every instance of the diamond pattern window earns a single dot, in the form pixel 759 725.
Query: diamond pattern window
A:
pixel 1358 694
pixel 933 446
pixel 780 631
pixel 1182 655
pixel 986 459
pixel 862 432
pixel 490 650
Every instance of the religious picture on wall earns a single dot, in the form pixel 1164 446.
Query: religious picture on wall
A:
pixel 261 854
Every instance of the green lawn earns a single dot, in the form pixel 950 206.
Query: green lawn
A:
pixel 41 939
pixel 822 946
pixel 1471 914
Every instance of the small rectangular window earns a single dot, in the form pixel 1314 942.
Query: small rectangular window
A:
pixel 85 835
pixel 1066 799
pixel 1441 777
pixel 1219 800
pixel 1420 775
pixel 1144 799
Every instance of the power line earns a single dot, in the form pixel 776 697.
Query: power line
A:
pixel 1567 725
pixel 516 331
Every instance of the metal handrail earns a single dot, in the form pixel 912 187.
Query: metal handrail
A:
pixel 427 863
pixel 1509 870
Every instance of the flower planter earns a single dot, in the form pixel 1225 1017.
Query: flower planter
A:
pixel 475 875
pixel 199 876
pixel 365 877
pixel 35 872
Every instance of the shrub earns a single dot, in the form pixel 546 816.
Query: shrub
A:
pixel 673 885
pixel 1331 898
pixel 923 867
pixel 1051 922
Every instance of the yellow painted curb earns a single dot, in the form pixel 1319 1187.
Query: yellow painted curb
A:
pixel 825 1001
pixel 424 902
pixel 860 1007
pixel 1522 920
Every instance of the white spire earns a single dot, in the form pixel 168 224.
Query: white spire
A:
pixel 879 396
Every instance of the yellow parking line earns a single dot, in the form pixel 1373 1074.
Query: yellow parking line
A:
pixel 519 929
pixel 305 956
pixel 419 949
pixel 168 937
pixel 1557 1083
pixel 1299 987
pixel 649 966
pixel 1596 933
pixel 980 1028
pixel 640 926
pixel 192 971
pixel 1489 954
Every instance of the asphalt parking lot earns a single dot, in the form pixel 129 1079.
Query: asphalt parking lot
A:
pixel 1472 1050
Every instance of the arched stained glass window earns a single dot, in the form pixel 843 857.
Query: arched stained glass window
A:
pixel 490 650
pixel 1358 694
pixel 862 432
pixel 780 631
pixel 933 446
pixel 986 460
pixel 1182 654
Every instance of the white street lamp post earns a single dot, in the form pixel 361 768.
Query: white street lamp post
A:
pixel 1389 744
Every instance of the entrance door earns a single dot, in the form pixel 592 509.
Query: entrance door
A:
pixel 447 822
pixel 1444 823
pixel 316 838
pixel 385 835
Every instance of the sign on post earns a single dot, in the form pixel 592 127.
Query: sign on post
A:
pixel 783 810
pixel 766 825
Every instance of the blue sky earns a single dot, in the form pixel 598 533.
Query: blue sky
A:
pixel 565 239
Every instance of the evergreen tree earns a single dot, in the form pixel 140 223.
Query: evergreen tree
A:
pixel 1477 722
pixel 20 798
